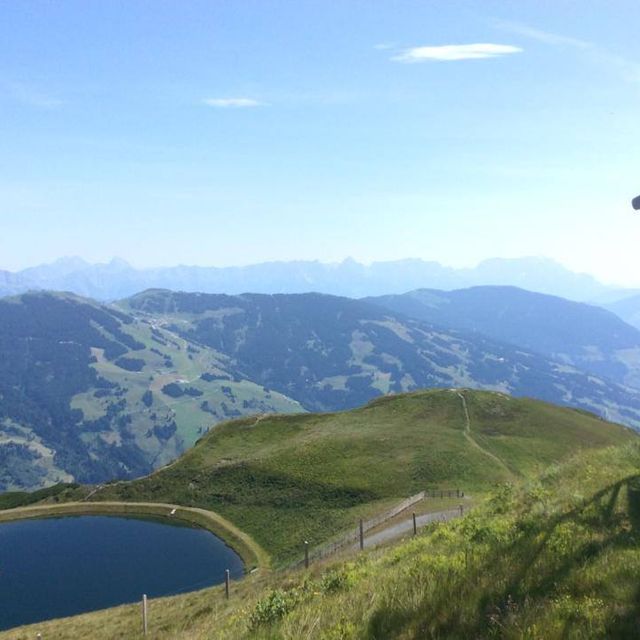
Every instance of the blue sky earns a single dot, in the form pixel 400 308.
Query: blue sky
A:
pixel 223 133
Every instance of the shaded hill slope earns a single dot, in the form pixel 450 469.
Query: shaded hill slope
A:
pixel 581 335
pixel 284 479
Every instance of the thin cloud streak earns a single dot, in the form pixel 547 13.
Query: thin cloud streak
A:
pixel 453 52
pixel 232 103
pixel 628 70
pixel 547 37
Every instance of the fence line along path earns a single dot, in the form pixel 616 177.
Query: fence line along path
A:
pixel 352 537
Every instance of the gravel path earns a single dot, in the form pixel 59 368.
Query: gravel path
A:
pixel 406 526
pixel 469 436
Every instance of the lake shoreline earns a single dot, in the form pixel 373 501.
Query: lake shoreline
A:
pixel 252 555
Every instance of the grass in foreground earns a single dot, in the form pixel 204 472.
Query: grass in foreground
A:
pixel 556 557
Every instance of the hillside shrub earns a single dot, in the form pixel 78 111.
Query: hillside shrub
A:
pixel 173 390
pixel 339 579
pixel 193 392
pixel 130 364
pixel 273 607
pixel 147 398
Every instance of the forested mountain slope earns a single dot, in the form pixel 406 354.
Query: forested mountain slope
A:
pixel 90 393
pixel 333 353
pixel 581 335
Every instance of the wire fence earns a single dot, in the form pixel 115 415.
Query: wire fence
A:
pixel 352 537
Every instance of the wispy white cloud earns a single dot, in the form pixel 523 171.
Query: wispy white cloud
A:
pixel 547 37
pixel 623 67
pixel 449 52
pixel 232 103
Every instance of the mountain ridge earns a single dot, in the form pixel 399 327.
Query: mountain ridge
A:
pixel 333 353
pixel 586 336
pixel 117 279
pixel 627 308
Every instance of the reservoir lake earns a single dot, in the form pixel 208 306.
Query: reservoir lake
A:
pixel 56 567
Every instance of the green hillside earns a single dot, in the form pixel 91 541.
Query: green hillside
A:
pixel 284 479
pixel 554 558
pixel 548 557
pixel 89 393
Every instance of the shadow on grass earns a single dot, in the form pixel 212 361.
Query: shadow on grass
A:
pixel 386 622
pixel 510 586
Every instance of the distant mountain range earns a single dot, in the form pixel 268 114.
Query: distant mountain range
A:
pixel 117 279
pixel 628 309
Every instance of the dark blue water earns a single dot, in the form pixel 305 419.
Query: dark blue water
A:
pixel 58 567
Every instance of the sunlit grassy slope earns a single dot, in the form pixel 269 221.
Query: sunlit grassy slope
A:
pixel 165 358
pixel 285 479
pixel 557 556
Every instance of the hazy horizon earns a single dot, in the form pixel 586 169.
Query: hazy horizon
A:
pixel 118 259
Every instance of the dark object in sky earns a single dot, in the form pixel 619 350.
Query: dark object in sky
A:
pixel 636 203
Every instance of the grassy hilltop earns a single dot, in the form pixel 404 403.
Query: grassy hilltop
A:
pixel 284 479
pixel 554 558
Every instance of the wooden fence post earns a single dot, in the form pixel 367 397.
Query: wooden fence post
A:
pixel 361 535
pixel 415 525
pixel 306 554
pixel 145 626
pixel 226 583
pixel 461 509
